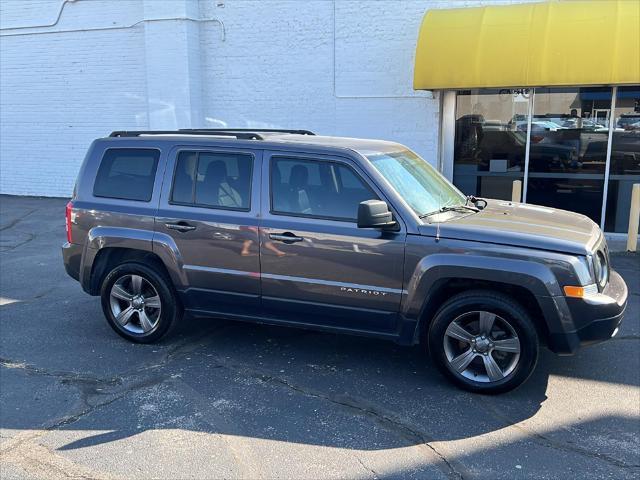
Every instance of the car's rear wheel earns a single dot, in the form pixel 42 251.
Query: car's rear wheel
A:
pixel 139 302
pixel 484 342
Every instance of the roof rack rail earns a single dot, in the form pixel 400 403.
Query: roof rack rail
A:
pixel 244 135
pixel 257 130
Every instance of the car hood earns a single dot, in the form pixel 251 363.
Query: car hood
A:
pixel 523 225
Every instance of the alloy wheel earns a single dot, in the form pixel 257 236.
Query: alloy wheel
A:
pixel 482 346
pixel 135 304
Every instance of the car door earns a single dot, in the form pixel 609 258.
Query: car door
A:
pixel 209 208
pixel 317 266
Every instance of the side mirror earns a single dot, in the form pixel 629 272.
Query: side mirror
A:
pixel 375 214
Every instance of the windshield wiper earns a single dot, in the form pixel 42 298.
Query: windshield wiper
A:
pixel 451 208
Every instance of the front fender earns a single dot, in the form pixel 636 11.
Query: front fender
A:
pixel 535 277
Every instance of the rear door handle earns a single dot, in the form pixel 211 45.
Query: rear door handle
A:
pixel 180 226
pixel 286 237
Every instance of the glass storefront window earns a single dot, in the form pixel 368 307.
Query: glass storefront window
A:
pixel 625 158
pixel 490 141
pixel 568 139
pixel 568 150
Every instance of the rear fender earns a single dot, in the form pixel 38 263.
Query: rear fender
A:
pixel 135 239
pixel 165 247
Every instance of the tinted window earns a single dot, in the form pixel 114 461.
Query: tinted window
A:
pixel 213 180
pixel 127 173
pixel 316 188
pixel 183 185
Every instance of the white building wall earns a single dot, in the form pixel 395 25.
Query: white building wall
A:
pixel 74 70
pixel 337 68
pixel 58 91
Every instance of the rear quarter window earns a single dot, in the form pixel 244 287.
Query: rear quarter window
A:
pixel 127 173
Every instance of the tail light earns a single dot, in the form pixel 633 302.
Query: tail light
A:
pixel 68 213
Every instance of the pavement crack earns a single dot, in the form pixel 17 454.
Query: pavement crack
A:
pixel 44 293
pixel 89 408
pixel 96 385
pixel 175 352
pixel 10 248
pixel 39 461
pixel 549 442
pixel 389 422
pixel 368 469
pixel 114 397
pixel 67 378
pixel 16 221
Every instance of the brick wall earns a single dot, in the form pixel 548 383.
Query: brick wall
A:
pixel 339 68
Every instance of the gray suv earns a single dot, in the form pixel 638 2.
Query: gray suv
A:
pixel 336 234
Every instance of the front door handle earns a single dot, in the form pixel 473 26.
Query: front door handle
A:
pixel 180 226
pixel 286 237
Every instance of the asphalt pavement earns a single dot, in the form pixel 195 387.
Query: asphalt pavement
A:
pixel 235 400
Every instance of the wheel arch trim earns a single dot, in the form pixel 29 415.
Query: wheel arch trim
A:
pixel 536 278
pixel 101 237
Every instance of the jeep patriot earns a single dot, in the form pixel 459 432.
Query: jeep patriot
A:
pixel 337 234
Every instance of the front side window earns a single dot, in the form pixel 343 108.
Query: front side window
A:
pixel 207 179
pixel 316 188
pixel 421 186
pixel 127 173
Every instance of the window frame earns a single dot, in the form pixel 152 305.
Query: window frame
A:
pixel 155 174
pixel 198 151
pixel 310 159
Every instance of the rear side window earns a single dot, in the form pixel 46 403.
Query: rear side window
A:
pixel 218 180
pixel 127 173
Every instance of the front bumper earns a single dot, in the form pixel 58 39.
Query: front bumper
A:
pixel 595 319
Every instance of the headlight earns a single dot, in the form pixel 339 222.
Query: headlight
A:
pixel 600 268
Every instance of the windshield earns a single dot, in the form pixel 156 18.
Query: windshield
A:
pixel 421 185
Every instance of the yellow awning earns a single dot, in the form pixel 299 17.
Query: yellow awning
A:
pixel 528 45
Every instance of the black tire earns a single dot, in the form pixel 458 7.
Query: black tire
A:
pixel 505 308
pixel 171 309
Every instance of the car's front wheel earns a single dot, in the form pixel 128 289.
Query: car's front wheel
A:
pixel 484 342
pixel 139 302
